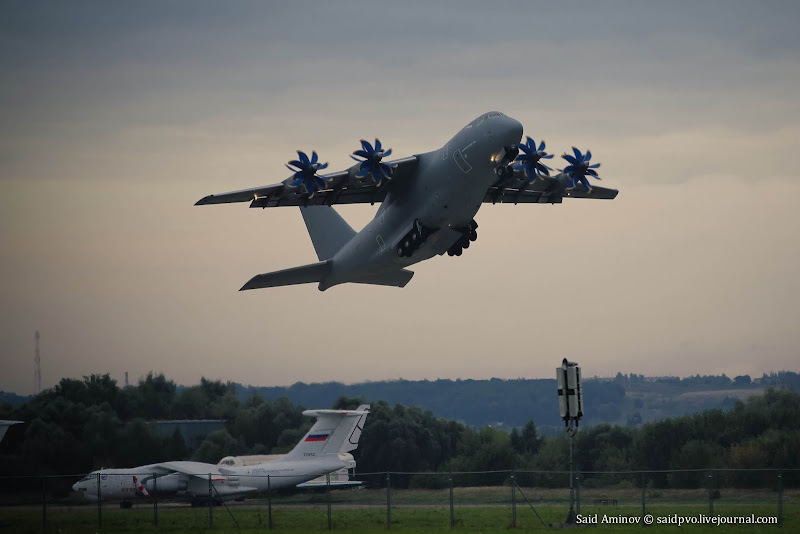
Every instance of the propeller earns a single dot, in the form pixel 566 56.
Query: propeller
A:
pixel 529 159
pixel 579 167
pixel 371 164
pixel 305 173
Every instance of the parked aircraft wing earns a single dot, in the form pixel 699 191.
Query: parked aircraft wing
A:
pixel 344 189
pixel 195 469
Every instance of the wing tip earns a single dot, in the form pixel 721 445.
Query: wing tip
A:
pixel 250 284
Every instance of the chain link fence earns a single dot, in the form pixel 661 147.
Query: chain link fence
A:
pixel 472 500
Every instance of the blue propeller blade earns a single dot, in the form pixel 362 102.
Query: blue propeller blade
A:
pixel 529 159
pixel 371 164
pixel 579 168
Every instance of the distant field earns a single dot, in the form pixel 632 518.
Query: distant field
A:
pixel 475 510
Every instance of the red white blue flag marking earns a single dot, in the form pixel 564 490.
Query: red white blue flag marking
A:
pixel 316 437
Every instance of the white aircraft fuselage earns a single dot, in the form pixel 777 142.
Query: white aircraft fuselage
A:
pixel 194 478
pixel 323 450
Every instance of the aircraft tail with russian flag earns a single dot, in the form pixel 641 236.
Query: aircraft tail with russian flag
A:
pixel 334 431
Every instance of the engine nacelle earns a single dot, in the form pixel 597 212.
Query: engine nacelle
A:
pixel 172 483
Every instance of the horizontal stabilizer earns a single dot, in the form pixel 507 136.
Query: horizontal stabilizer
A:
pixel 305 274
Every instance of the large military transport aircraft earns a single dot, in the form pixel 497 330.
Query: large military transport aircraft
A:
pixel 321 451
pixel 428 201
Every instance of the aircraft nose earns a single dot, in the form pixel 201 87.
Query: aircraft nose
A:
pixel 75 487
pixel 515 130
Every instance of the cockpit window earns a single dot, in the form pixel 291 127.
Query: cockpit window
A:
pixel 88 477
pixel 483 117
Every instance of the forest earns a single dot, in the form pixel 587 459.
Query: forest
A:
pixel 84 424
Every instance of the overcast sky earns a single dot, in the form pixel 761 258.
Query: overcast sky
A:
pixel 116 117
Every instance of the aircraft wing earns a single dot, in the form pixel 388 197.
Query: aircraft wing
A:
pixel 225 486
pixel 343 188
pixel 195 469
pixel 549 190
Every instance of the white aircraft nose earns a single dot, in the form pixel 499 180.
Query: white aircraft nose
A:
pixel 75 487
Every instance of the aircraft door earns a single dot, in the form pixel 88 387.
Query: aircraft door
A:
pixel 461 161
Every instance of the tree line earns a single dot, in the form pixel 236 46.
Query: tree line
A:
pixel 82 425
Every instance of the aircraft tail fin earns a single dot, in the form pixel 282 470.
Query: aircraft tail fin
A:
pixel 357 426
pixel 329 232
pixel 329 434
pixel 305 274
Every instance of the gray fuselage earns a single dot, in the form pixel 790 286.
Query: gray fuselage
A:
pixel 445 194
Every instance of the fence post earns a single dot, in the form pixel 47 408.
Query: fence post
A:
pixel 328 491
pixel 99 504
pixel 513 501
pixel 452 515
pixel 44 503
pixel 711 493
pixel 269 502
pixel 780 498
pixel 210 504
pixel 388 501
pixel 643 488
pixel 155 500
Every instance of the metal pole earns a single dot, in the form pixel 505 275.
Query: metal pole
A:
pixel 513 501
pixel 643 488
pixel 99 506
pixel 44 503
pixel 388 501
pixel 328 491
pixel 578 491
pixel 210 504
pixel 710 493
pixel 780 498
pixel 155 501
pixel 452 514
pixel 269 500
pixel 571 515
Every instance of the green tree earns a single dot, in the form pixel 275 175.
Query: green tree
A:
pixel 216 446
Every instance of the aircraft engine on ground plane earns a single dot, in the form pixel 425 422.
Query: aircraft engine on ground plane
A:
pixel 171 483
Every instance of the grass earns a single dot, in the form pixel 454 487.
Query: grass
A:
pixel 476 510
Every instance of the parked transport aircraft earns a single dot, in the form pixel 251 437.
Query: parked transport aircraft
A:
pixel 318 453
pixel 428 201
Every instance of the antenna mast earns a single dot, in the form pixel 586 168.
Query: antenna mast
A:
pixel 37 373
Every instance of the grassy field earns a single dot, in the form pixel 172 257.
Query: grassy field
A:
pixel 475 510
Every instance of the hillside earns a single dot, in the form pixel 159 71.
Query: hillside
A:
pixel 626 399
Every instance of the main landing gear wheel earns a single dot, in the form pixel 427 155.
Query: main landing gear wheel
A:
pixel 468 234
pixel 413 239
pixel 126 505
